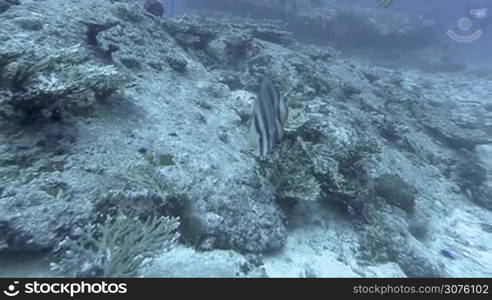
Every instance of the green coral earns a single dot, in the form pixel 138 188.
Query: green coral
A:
pixel 381 237
pixel 305 168
pixel 339 169
pixel 289 173
pixel 159 159
pixel 22 71
pixel 376 242
pixel 385 238
pixel 76 79
pixel 117 247
pixel 52 83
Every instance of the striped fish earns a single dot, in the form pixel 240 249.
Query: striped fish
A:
pixel 269 116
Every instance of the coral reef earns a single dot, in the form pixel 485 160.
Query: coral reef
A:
pixel 117 247
pixel 116 123
pixel 396 191
pixel 50 85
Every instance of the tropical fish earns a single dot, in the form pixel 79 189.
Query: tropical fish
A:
pixel 269 115
pixel 449 253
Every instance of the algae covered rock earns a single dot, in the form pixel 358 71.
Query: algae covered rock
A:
pixel 396 191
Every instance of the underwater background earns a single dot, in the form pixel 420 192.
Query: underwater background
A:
pixel 245 138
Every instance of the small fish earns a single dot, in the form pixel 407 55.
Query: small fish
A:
pixel 269 115
pixel 449 253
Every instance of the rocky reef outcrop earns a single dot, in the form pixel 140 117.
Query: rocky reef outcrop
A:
pixel 147 116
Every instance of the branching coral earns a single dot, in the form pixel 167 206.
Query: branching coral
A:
pixel 290 177
pixel 305 168
pixel 380 237
pixel 17 72
pixel 117 247
pixel 53 81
